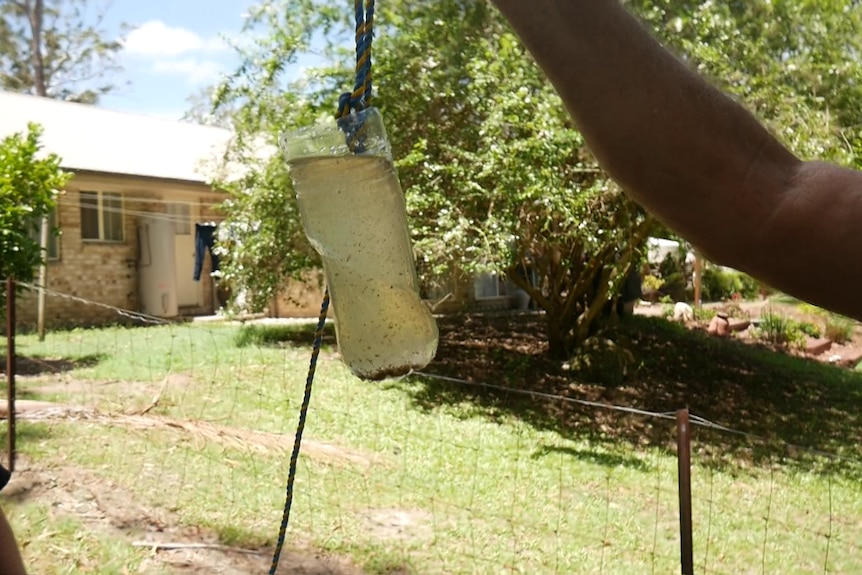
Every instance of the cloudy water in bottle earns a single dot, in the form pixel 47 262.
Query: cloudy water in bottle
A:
pixel 353 211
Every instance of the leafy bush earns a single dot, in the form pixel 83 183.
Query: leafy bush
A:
pixel 674 286
pixel 703 314
pixel 780 330
pixel 29 183
pixel 809 329
pixel 651 283
pixel 669 266
pixel 749 288
pixel 838 328
pixel 718 285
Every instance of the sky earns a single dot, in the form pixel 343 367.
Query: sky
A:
pixel 174 48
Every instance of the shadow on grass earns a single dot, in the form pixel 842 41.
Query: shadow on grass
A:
pixel 604 459
pixel 795 404
pixel 26 432
pixel 282 335
pixel 37 365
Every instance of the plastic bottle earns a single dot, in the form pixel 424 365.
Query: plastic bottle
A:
pixel 353 212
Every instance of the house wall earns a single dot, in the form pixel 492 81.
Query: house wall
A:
pixel 106 272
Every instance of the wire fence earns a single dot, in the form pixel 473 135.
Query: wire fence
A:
pixel 175 437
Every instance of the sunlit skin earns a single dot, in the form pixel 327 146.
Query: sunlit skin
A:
pixel 695 158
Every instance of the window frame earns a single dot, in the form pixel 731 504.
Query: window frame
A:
pixel 53 234
pixel 100 196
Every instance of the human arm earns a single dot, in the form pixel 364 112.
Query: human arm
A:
pixel 695 158
pixel 10 557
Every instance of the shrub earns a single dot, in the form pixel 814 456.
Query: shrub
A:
pixel 674 286
pixel 780 330
pixel 651 283
pixel 716 285
pixel 809 329
pixel 719 284
pixel 735 311
pixel 838 328
pixel 703 314
pixel 749 288
pixel 669 266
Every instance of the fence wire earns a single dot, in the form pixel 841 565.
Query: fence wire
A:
pixel 185 429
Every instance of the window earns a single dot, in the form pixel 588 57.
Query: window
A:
pixel 53 239
pixel 181 215
pixel 102 216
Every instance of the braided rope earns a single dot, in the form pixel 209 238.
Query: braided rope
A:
pixel 357 100
pixel 360 97
pixel 303 412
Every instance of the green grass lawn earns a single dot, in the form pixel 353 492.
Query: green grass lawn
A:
pixel 408 476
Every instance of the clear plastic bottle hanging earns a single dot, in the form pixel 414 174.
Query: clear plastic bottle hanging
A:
pixel 353 212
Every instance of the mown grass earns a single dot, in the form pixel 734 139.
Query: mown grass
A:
pixel 440 479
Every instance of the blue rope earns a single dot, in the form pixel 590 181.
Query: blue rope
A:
pixel 360 97
pixel 303 412
pixel 357 100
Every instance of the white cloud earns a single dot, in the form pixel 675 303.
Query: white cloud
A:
pixel 195 71
pixel 155 38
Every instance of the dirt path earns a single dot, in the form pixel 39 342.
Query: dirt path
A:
pixel 109 509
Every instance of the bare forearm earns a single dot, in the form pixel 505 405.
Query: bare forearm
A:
pixel 688 153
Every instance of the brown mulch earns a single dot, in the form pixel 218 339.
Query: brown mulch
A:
pixel 741 385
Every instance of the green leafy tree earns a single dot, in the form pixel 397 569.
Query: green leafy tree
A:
pixel 55 49
pixel 201 110
pixel 266 244
pixel 496 177
pixel 29 184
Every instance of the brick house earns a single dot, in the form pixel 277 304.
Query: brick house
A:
pixel 128 216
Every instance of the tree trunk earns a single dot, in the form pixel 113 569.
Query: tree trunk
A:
pixel 558 345
pixel 35 14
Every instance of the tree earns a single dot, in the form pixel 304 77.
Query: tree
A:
pixel 266 244
pixel 29 184
pixel 495 175
pixel 48 48
pixel 201 110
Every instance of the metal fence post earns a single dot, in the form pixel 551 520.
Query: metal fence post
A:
pixel 10 368
pixel 683 445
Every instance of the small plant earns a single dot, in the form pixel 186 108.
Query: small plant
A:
pixel 703 314
pixel 838 328
pixel 735 311
pixel 651 283
pixel 667 309
pixel 780 330
pixel 809 329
